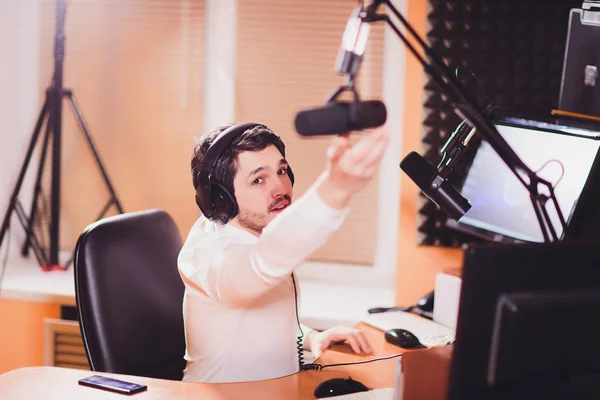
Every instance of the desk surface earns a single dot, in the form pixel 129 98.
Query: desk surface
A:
pixel 58 383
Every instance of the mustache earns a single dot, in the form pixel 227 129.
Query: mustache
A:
pixel 280 200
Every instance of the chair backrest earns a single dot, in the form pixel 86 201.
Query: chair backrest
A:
pixel 129 295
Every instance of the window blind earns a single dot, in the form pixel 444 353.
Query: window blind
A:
pixel 286 62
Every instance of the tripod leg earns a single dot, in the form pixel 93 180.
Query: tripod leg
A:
pixel 55 121
pixel 15 194
pixel 88 138
pixel 36 193
pixel 39 253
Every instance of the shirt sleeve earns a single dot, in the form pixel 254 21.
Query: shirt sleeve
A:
pixel 234 273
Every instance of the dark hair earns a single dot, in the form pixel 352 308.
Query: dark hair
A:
pixel 253 139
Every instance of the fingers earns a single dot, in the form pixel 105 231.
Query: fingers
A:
pixel 369 150
pixel 338 146
pixel 364 344
pixel 367 141
pixel 376 154
pixel 325 344
pixel 354 338
pixel 355 343
pixel 350 168
pixel 359 343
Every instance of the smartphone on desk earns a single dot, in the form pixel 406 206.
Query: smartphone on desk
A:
pixel 113 385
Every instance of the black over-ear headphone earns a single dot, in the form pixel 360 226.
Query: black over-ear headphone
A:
pixel 213 198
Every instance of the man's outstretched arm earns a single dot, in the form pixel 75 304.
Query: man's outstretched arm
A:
pixel 242 272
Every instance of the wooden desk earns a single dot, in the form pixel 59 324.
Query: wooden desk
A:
pixel 426 374
pixel 58 383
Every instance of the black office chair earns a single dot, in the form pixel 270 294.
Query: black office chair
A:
pixel 129 295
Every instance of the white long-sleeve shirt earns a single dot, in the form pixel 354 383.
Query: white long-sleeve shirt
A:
pixel 239 307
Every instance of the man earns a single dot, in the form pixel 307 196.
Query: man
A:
pixel 240 305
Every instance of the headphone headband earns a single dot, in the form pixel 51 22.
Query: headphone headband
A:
pixel 221 142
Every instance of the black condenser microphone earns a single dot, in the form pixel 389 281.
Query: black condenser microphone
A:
pixel 434 186
pixel 340 117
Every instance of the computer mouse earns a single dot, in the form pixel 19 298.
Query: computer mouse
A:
pixel 403 338
pixel 338 387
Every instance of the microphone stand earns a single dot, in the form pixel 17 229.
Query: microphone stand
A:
pixel 456 144
pixel 465 107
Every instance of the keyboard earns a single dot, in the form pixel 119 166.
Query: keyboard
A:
pixel 430 333
pixel 375 394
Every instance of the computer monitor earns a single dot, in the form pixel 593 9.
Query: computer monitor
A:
pixel 501 207
pixel 528 321
pixel 524 356
pixel 580 88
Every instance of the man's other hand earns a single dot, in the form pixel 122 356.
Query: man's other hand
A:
pixel 319 341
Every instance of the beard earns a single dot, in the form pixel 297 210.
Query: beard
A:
pixel 256 222
pixel 252 221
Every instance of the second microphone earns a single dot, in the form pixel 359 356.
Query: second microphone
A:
pixel 434 186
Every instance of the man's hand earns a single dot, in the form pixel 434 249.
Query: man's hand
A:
pixel 319 341
pixel 351 168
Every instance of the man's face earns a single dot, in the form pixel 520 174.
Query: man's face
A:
pixel 262 188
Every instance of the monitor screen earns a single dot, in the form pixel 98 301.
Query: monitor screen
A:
pixel 501 208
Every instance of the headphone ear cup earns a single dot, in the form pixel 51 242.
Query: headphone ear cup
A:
pixel 203 199
pixel 223 203
pixel 290 174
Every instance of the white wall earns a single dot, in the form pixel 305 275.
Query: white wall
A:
pixel 19 95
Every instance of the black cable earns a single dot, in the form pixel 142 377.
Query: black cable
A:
pixel 301 365
pixel 320 367
pixel 5 261
pixel 379 310
pixel 491 103
pixel 457 73
pixel 299 338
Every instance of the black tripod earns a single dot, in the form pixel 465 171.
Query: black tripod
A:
pixel 51 113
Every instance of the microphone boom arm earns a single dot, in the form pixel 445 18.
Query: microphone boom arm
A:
pixel 465 107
